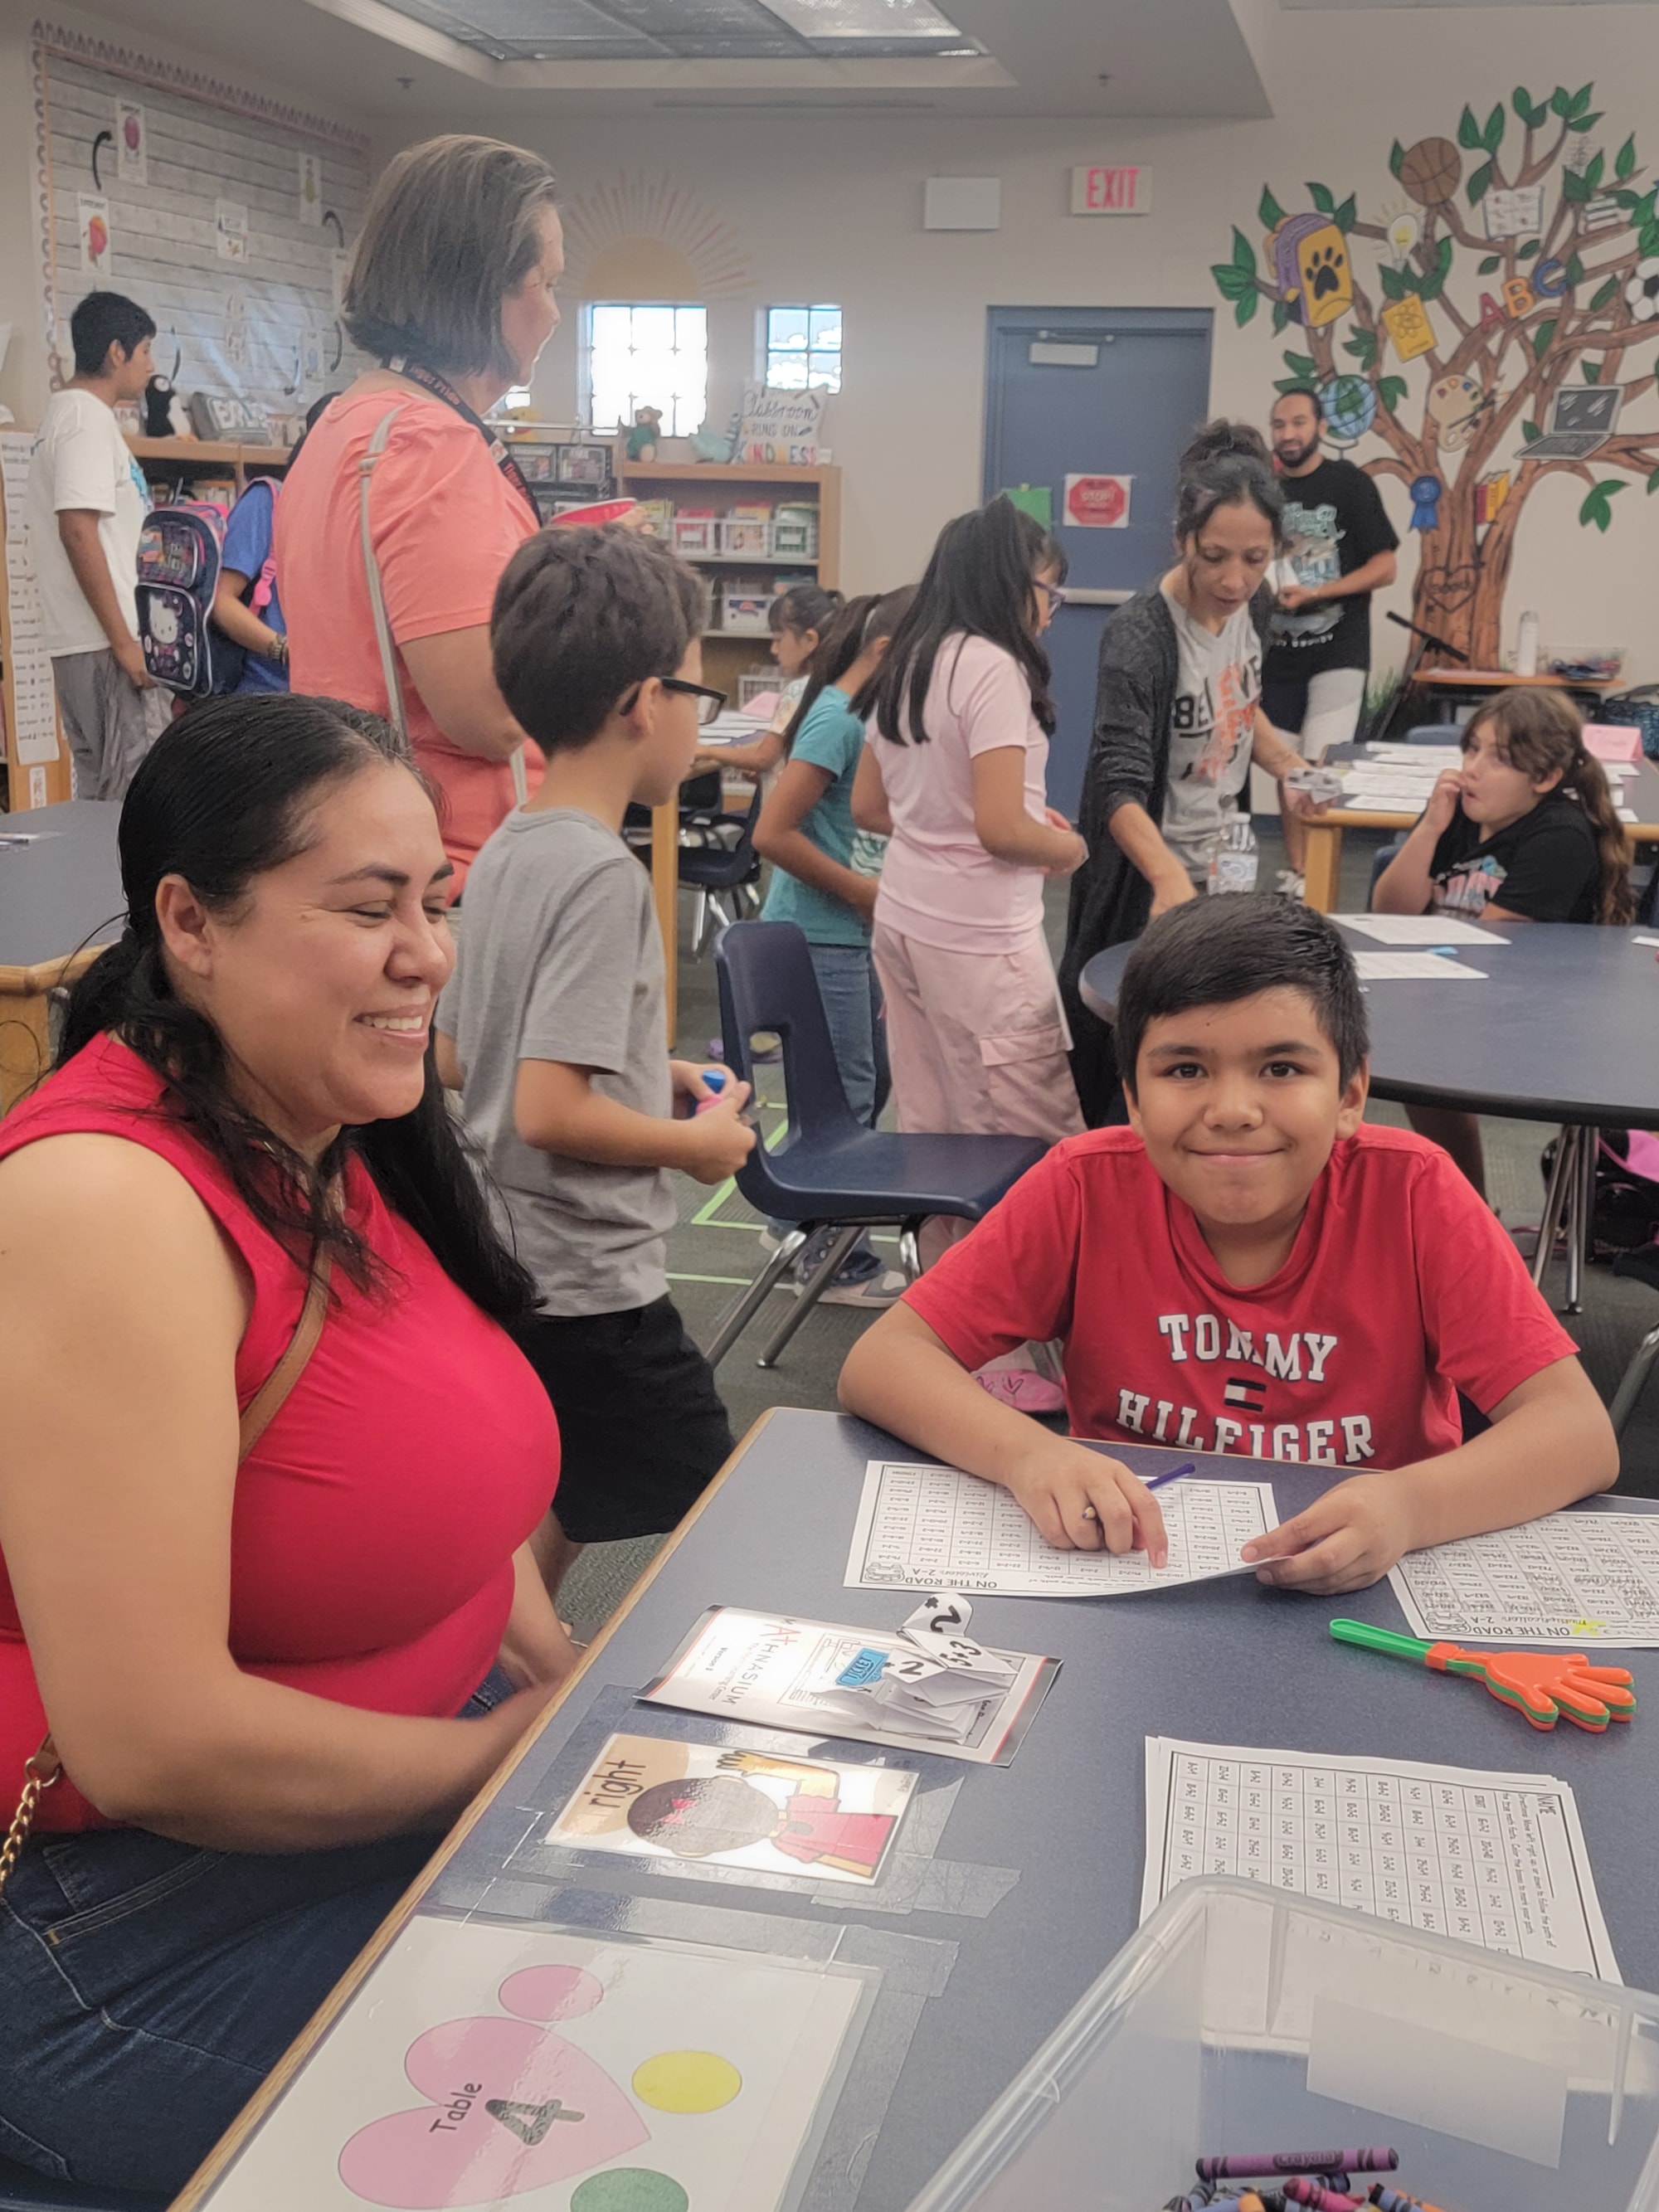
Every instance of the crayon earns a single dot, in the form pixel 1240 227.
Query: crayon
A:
pixel 1316 2195
pixel 1240 2165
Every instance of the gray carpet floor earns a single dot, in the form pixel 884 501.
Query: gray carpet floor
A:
pixel 715 1251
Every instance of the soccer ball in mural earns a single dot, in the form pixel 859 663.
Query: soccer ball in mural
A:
pixel 1349 405
pixel 1642 292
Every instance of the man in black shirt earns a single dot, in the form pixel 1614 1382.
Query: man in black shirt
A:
pixel 1340 548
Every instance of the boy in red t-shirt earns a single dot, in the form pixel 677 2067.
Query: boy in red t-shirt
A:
pixel 1249 1267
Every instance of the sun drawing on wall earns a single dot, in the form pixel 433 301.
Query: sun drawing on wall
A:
pixel 635 236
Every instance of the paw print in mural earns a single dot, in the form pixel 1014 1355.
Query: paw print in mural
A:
pixel 1324 273
pixel 512 2106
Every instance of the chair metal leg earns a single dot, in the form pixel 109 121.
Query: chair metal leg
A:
pixel 1633 1382
pixel 1555 1201
pixel 738 1315
pixel 699 920
pixel 810 1292
pixel 1584 1243
pixel 748 895
pixel 910 1250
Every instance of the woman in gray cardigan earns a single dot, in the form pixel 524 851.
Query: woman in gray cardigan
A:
pixel 1178 726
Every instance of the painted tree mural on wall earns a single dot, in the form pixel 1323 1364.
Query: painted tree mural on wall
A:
pixel 1495 339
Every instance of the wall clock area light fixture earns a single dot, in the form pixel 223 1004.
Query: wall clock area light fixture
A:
pixel 709 30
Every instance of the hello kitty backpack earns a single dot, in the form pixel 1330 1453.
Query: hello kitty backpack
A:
pixel 179 561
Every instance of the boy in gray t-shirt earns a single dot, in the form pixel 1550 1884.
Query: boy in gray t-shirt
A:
pixel 553 1026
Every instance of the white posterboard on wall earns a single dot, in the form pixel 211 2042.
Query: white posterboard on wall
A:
pixel 223 213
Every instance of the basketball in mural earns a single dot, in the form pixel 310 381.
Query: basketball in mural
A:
pixel 1350 406
pixel 1432 170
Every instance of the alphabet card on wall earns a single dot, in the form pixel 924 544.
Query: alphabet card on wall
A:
pixel 813 1819
pixel 483 2064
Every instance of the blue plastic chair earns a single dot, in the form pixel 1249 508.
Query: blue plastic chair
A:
pixel 827 1170
pixel 1380 859
pixel 719 873
pixel 1434 733
pixel 23 2191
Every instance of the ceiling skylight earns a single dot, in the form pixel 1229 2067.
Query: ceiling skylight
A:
pixel 712 30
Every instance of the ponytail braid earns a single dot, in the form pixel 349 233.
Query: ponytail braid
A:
pixel 1586 782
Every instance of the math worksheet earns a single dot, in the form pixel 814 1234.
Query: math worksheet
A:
pixel 1496 1860
pixel 1413 968
pixel 1407 929
pixel 931 1527
pixel 1571 1579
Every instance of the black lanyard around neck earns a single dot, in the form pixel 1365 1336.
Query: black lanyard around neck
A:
pixel 441 388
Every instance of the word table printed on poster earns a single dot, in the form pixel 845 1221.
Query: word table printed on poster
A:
pixel 931 1527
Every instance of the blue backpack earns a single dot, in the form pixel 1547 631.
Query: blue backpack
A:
pixel 178 563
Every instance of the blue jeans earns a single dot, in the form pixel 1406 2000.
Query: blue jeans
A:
pixel 148 1987
pixel 858 1034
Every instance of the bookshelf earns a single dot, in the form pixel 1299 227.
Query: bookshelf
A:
pixel 728 654
pixel 172 460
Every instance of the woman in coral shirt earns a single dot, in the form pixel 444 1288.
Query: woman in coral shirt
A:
pixel 451 291
pixel 273 1672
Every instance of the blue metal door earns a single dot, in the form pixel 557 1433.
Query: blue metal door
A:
pixel 1084 392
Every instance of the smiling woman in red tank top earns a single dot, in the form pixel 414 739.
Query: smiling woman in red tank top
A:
pixel 251 1673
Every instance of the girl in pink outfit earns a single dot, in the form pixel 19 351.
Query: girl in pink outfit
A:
pixel 953 771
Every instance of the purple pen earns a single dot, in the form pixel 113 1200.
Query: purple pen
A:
pixel 1157 1482
pixel 1241 2166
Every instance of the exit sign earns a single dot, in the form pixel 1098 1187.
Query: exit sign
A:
pixel 1117 190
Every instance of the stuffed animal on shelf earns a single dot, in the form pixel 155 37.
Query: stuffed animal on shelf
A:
pixel 642 438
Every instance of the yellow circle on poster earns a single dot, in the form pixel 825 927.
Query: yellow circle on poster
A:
pixel 686 2081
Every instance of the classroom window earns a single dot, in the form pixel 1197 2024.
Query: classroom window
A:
pixel 803 348
pixel 646 354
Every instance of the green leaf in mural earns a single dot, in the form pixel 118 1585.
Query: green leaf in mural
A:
pixel 1302 365
pixel 1231 283
pixel 1468 130
pixel 1540 338
pixel 1287 383
pixel 1605 296
pixel 1585 122
pixel 1597 507
pixel 1475 189
pixel 1531 112
pixel 1243 252
pixel 1281 316
pixel 1592 372
pixel 1574 272
pixel 1530 433
pixel 1593 170
pixel 1395 283
pixel 1431 286
pixel 1390 391
pixel 1653 483
pixel 1629 201
pixel 1573 187
pixel 1647 241
pixel 1362 345
pixel 1492 262
pixel 1244 306
pixel 1396 157
pixel 1623 162
pixel 1343 213
pixel 1322 198
pixel 1559 100
pixel 1579 102
pixel 1493 136
pixel 1269 214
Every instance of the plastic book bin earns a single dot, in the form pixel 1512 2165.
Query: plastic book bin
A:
pixel 1239 2019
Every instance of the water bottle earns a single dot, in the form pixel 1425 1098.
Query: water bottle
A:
pixel 1526 645
pixel 1233 862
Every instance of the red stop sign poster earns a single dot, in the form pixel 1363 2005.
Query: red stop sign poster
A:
pixel 1098 502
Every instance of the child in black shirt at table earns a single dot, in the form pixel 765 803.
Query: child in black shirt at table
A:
pixel 1525 831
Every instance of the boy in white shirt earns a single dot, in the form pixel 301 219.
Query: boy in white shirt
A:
pixel 87 504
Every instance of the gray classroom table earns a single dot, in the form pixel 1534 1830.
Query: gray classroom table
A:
pixel 58 892
pixel 1565 1030
pixel 1228 1661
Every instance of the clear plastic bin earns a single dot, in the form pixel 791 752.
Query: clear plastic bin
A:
pixel 1237 2020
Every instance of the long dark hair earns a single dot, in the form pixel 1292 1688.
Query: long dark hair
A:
pixel 803 607
pixel 224 795
pixel 981 579
pixel 860 623
pixel 1541 731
